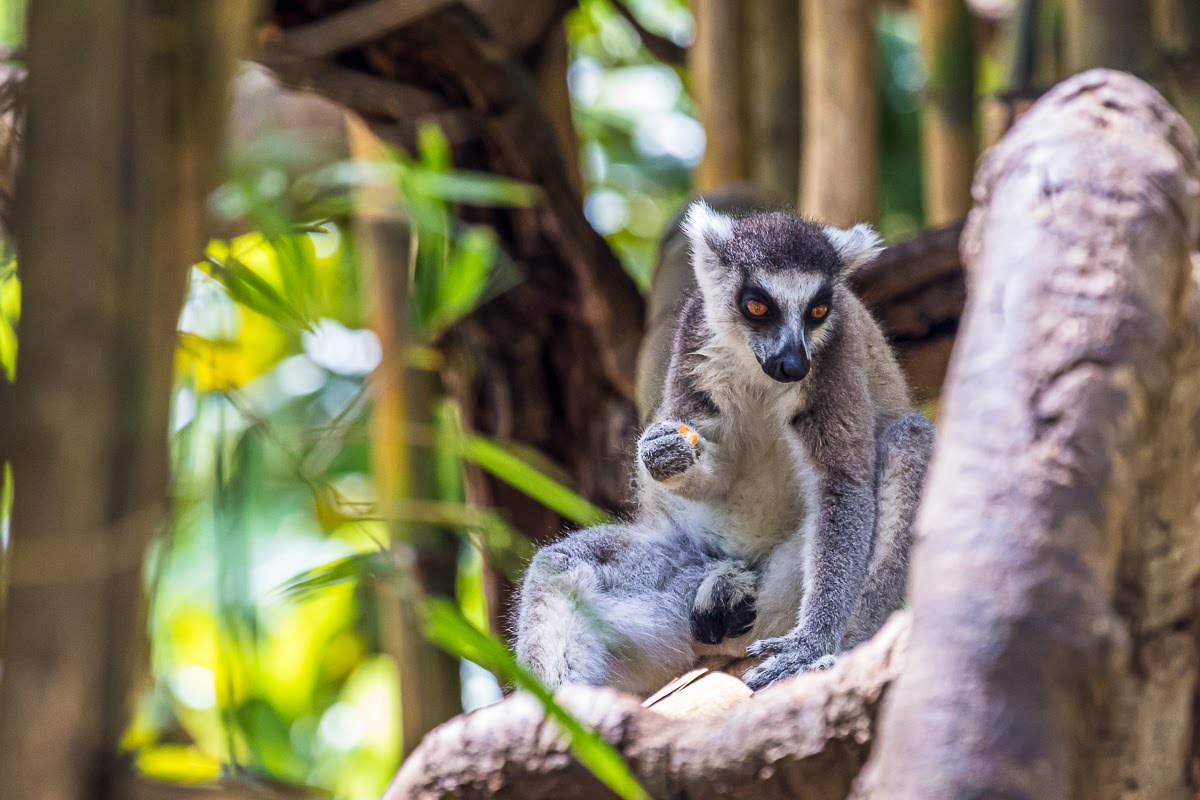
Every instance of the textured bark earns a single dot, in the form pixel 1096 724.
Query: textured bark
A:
pixel 948 144
pixel 841 116
pixel 1054 593
pixel 115 176
pixel 804 739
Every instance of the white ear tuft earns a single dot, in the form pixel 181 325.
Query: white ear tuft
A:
pixel 703 226
pixel 856 246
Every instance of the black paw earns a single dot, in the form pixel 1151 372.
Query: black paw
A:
pixel 667 449
pixel 724 608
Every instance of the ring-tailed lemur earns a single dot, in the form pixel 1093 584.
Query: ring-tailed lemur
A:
pixel 776 492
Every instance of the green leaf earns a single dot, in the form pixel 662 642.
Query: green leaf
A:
pixel 471 188
pixel 341 570
pixel 450 630
pixel 8 349
pixel 433 147
pixel 520 474
pixel 465 277
pixel 253 291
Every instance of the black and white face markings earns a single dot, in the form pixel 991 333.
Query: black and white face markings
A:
pixel 770 280
pixel 784 314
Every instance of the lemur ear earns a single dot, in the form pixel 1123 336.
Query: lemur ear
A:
pixel 705 230
pixel 856 246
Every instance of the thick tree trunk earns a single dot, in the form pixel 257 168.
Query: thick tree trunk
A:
pixel 116 174
pixel 948 142
pixel 1054 592
pixel 840 165
pixel 1054 600
pixel 745 71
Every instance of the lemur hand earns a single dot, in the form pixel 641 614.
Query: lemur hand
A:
pixel 668 449
pixel 790 655
pixel 725 603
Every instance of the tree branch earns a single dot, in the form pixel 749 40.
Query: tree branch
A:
pixel 398 107
pixel 804 738
pixel 355 26
pixel 660 47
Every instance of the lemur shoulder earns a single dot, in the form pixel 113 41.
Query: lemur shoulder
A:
pixel 776 491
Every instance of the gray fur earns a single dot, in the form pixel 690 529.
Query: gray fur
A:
pixel 787 527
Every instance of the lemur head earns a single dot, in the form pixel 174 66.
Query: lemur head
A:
pixel 773 281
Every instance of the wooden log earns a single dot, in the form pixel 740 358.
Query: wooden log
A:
pixel 1054 589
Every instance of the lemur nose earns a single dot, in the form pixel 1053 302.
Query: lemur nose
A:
pixel 789 367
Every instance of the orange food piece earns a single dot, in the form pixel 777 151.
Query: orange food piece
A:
pixel 692 437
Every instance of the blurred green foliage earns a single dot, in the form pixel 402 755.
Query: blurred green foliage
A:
pixel 264 626
pixel 638 134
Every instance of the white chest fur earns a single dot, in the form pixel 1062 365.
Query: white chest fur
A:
pixel 768 484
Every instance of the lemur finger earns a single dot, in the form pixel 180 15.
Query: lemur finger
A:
pixel 670 430
pixel 784 665
pixel 770 647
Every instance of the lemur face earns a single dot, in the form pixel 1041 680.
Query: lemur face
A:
pixel 781 317
pixel 772 281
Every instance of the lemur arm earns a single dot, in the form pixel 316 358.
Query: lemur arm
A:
pixel 838 551
pixel 675 459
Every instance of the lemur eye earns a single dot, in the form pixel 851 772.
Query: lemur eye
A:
pixel 818 312
pixel 756 308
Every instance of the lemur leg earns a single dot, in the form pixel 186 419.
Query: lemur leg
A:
pixel 905 447
pixel 724 607
pixel 610 606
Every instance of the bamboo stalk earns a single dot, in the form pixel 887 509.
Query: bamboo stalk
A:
pixel 430 692
pixel 948 140
pixel 771 55
pixel 716 68
pixel 841 115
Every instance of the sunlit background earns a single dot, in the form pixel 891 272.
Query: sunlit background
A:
pixel 263 622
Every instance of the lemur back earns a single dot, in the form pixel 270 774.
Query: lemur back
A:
pixel 777 486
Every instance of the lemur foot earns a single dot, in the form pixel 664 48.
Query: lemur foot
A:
pixel 790 655
pixel 725 604
pixel 668 449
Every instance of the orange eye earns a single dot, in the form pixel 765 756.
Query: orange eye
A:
pixel 818 312
pixel 757 309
